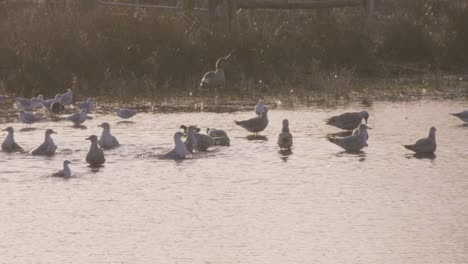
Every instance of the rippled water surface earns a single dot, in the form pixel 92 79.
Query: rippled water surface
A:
pixel 245 203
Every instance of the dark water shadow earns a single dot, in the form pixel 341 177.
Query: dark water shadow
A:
pixel 285 154
pixel 125 122
pixel 257 137
pixel 80 127
pixel 339 134
pixel 95 169
pixel 27 129
pixel 359 154
pixel 422 156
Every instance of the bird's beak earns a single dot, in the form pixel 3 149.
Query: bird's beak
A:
pixel 369 127
pixel 53 132
pixel 366 121
pixel 4 129
pixel 99 125
pixel 88 138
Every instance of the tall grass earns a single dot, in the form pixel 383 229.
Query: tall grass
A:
pixel 143 52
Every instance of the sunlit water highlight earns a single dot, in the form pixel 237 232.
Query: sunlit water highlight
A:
pixel 245 203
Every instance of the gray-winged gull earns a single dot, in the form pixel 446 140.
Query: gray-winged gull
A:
pixel 285 139
pixel 353 143
pixel 256 124
pixel 78 118
pixel 65 172
pixel 260 107
pixel 348 121
pixel 179 151
pixel 28 104
pixel 107 140
pixel 28 118
pixel 67 98
pixel 48 103
pixel 462 115
pixel 9 144
pixel 219 136
pixel 125 113
pixel 88 104
pixel 95 156
pixel 48 147
pixel 425 145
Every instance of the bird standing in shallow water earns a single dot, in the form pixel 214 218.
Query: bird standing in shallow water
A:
pixel 67 98
pixel 48 147
pixel 9 144
pixel 107 141
pixel 353 143
pixel 214 79
pixel 256 124
pixel 285 139
pixel 95 156
pixel 425 145
pixel 65 172
pixel 88 105
pixel 348 121
pixel 56 108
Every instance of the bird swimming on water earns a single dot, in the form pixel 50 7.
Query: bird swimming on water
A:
pixel 285 139
pixel 353 143
pixel 462 115
pixel 107 140
pixel 425 145
pixel 78 118
pixel 65 172
pixel 179 151
pixel 28 118
pixel 48 147
pixel 348 121
pixel 203 142
pixel 125 113
pixel 256 124
pixel 9 144
pixel 216 78
pixel 95 156
pixel 219 136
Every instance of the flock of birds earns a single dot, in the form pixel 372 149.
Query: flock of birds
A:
pixel 195 141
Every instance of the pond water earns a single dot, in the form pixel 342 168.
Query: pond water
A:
pixel 245 203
